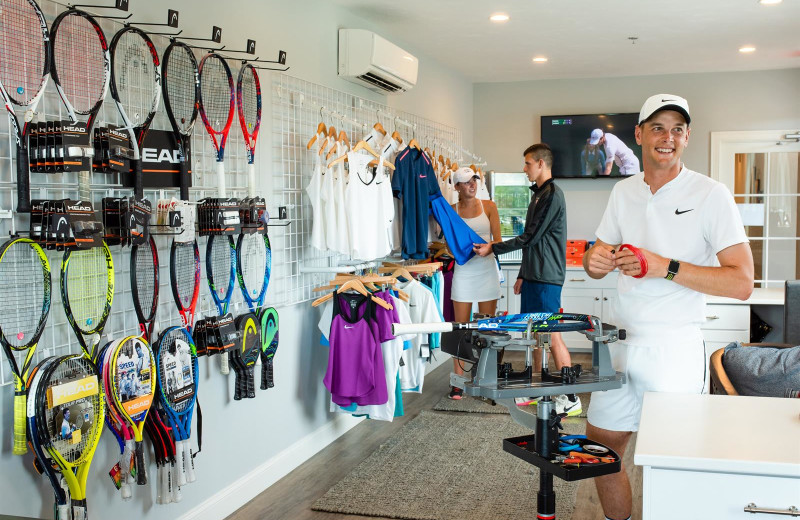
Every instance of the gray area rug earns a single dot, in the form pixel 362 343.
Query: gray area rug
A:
pixel 448 467
pixel 478 405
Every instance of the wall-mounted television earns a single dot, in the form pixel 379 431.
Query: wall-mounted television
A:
pixel 576 152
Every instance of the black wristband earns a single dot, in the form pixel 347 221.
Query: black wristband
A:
pixel 672 269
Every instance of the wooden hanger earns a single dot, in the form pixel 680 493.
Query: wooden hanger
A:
pixel 397 137
pixel 414 144
pixel 353 285
pixel 343 138
pixel 320 129
pixel 379 128
pixel 363 145
pixel 473 168
pixel 386 163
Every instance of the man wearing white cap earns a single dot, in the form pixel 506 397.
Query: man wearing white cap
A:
pixel 688 241
pixel 616 152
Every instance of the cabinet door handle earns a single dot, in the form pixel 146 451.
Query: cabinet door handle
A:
pixel 605 299
pixel 712 318
pixel 597 298
pixel 752 508
pixel 577 279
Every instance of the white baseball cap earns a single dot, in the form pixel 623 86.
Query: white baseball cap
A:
pixel 597 134
pixel 661 102
pixel 464 174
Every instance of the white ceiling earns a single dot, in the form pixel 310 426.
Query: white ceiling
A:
pixel 585 38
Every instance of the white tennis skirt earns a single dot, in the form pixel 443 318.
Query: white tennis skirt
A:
pixel 476 281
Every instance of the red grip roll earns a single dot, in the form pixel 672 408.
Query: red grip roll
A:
pixel 639 256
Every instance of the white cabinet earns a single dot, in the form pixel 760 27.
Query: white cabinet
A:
pixel 585 295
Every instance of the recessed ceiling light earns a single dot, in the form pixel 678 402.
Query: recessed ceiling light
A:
pixel 539 59
pixel 499 17
pixel 769 2
pixel 747 49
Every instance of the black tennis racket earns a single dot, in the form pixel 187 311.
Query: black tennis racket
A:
pixel 24 307
pixel 136 88
pixel 181 84
pixel 248 95
pixel 144 285
pixel 87 291
pixel 221 277
pixel 81 70
pixel 217 101
pixel 24 73
pixel 184 272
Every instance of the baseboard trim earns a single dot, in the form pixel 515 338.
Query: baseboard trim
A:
pixel 228 500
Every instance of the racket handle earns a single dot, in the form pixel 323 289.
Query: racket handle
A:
pixel 251 382
pixel 184 169
pixel 23 179
pixel 125 470
pixel 188 460
pixel 79 509
pixel 176 495
pixel 160 484
pixel 237 393
pixel 264 381
pixel 138 190
pixel 270 374
pixel 221 179
pixel 141 469
pixel 63 512
pixel 125 489
pixel 224 363
pixel 420 328
pixel 251 179
pixel 180 462
pixel 20 403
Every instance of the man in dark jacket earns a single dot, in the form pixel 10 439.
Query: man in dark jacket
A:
pixel 544 253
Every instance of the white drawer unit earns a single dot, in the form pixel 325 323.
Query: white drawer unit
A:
pixel 583 294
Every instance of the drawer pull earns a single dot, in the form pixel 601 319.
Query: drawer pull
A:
pixel 597 298
pixel 712 318
pixel 752 508
pixel 577 279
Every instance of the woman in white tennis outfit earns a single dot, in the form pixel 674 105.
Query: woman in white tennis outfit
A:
pixel 477 280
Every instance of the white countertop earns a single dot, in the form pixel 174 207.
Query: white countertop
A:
pixel 772 296
pixel 720 433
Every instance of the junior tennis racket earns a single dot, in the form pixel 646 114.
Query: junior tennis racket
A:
pixel 269 345
pixel 116 423
pixel 87 291
pixel 24 307
pixel 221 277
pixel 177 391
pixel 69 417
pixel 181 84
pixel 144 285
pixel 217 101
pixel 184 272
pixel 254 264
pixel 136 88
pixel 81 70
pixel 24 73
pixel 248 95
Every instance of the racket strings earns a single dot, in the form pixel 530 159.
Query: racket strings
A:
pixel 80 62
pixel 23 58
pixel 87 288
pixel 146 278
pixel 250 95
pixel 25 299
pixel 179 80
pixel 176 370
pixel 63 427
pixel 185 274
pixel 254 264
pixel 135 77
pixel 216 93
pixel 220 266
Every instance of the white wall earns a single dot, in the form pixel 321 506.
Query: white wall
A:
pixel 507 119
pixel 266 433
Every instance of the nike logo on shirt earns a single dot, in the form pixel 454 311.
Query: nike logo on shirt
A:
pixel 422 176
pixel 678 212
pixel 348 327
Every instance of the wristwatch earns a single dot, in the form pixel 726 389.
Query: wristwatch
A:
pixel 672 269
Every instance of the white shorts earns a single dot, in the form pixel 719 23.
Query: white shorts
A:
pixel 678 367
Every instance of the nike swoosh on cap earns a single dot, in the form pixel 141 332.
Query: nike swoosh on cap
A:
pixel 678 212
pixel 666 100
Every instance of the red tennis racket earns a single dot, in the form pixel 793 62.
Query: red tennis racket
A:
pixel 217 101
pixel 248 95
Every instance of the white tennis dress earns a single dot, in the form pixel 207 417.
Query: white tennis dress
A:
pixel 314 193
pixel 477 280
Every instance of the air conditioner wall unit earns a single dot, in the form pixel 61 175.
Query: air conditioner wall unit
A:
pixel 374 62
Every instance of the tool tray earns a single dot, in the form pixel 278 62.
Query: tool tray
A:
pixel 523 448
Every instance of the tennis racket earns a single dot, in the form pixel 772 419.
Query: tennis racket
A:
pixel 181 86
pixel 87 291
pixel 254 264
pixel 144 285
pixel 131 372
pixel 217 101
pixel 25 71
pixel 221 276
pixel 248 97
pixel 269 345
pixel 24 307
pixel 81 70
pixel 176 360
pixel 69 416
pixel 116 423
pixel 541 322
pixel 184 271
pixel 136 88
pixel 245 356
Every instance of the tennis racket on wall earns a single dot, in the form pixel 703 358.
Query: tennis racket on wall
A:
pixel 221 277
pixel 217 101
pixel 176 361
pixel 254 264
pixel 24 307
pixel 248 96
pixel 136 89
pixel 24 73
pixel 87 291
pixel 69 413
pixel 144 285
pixel 81 70
pixel 184 272
pixel 181 85
pixel 269 345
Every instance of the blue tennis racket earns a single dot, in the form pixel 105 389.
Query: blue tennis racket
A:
pixel 254 264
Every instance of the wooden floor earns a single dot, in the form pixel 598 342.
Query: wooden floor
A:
pixel 291 497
